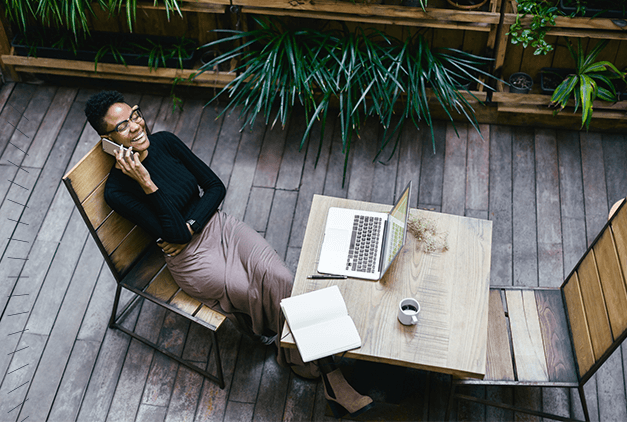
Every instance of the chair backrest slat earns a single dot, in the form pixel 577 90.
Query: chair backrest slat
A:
pixel 596 297
pixel 119 239
pixel 619 230
pixel 611 277
pixel 584 354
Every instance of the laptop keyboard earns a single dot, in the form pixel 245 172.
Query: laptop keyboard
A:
pixel 362 255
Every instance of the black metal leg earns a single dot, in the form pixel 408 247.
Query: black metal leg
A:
pixel 584 404
pixel 116 301
pixel 451 400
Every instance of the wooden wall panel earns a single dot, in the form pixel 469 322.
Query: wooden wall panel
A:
pixel 612 282
pixel 584 354
pixel 594 303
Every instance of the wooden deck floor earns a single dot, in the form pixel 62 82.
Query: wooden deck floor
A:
pixel 548 193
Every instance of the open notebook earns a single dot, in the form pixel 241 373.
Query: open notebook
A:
pixel 320 323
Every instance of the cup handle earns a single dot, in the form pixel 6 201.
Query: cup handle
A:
pixel 414 319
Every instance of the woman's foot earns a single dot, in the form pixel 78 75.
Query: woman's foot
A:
pixel 342 398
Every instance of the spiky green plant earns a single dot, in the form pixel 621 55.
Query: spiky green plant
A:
pixel 365 72
pixel 590 81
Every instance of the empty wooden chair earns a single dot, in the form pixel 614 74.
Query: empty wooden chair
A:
pixel 134 258
pixel 546 337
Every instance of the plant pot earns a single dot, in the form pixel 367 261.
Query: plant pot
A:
pixel 467 4
pixel 593 8
pixel 87 49
pixel 551 77
pixel 520 83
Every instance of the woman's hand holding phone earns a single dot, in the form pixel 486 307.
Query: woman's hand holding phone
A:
pixel 128 161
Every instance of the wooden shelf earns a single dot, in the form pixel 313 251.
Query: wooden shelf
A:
pixel 115 71
pixel 539 104
pixel 374 13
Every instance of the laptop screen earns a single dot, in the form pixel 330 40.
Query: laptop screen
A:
pixel 397 229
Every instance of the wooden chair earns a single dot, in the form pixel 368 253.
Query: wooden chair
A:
pixel 134 258
pixel 545 337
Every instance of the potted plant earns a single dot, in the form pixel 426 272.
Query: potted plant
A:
pixel 543 18
pixel 551 77
pixel 520 83
pixel 467 4
pixel 592 80
pixel 594 8
pixel 105 47
pixel 365 72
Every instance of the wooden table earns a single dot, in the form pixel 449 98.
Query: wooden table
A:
pixel 451 287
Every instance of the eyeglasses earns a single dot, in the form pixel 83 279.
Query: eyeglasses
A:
pixel 135 117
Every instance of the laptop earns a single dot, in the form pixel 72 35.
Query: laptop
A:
pixel 363 244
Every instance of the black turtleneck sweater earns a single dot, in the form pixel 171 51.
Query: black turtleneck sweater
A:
pixel 178 174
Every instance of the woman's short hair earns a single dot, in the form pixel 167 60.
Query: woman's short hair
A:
pixel 97 107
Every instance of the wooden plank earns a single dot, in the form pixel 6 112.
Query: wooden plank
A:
pixel 57 352
pixel 29 122
pixel 12 112
pixel 550 258
pixel 227 146
pixel 526 336
pixel 409 161
pixel 90 172
pixel 50 127
pixel 241 181
pixel 145 270
pixel 273 390
pixel 258 209
pixel 596 312
pixel 189 120
pixel 185 395
pixel 555 335
pixel 76 376
pixel 314 172
pixel 210 316
pixel 573 215
pixel 360 180
pixel 113 231
pixel 619 229
pixel 248 372
pixel 269 161
pixel 454 178
pixel 500 208
pixel 612 282
pixel 208 133
pixel 432 168
pixel 499 365
pixel 525 247
pixel 280 220
pixel 615 157
pixel 293 161
pixel 185 302
pixel 594 186
pixel 334 183
pixel 128 251
pixel 163 286
pixel 478 169
pixel 95 206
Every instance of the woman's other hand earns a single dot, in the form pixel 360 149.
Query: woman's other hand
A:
pixel 172 249
pixel 128 161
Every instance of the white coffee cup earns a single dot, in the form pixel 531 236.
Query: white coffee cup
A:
pixel 408 309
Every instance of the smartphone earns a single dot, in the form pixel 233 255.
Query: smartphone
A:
pixel 110 147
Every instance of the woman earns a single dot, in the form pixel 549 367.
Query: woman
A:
pixel 212 256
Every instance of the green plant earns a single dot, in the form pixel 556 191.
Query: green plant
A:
pixel 543 17
pixel 73 14
pixel 592 80
pixel 367 73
